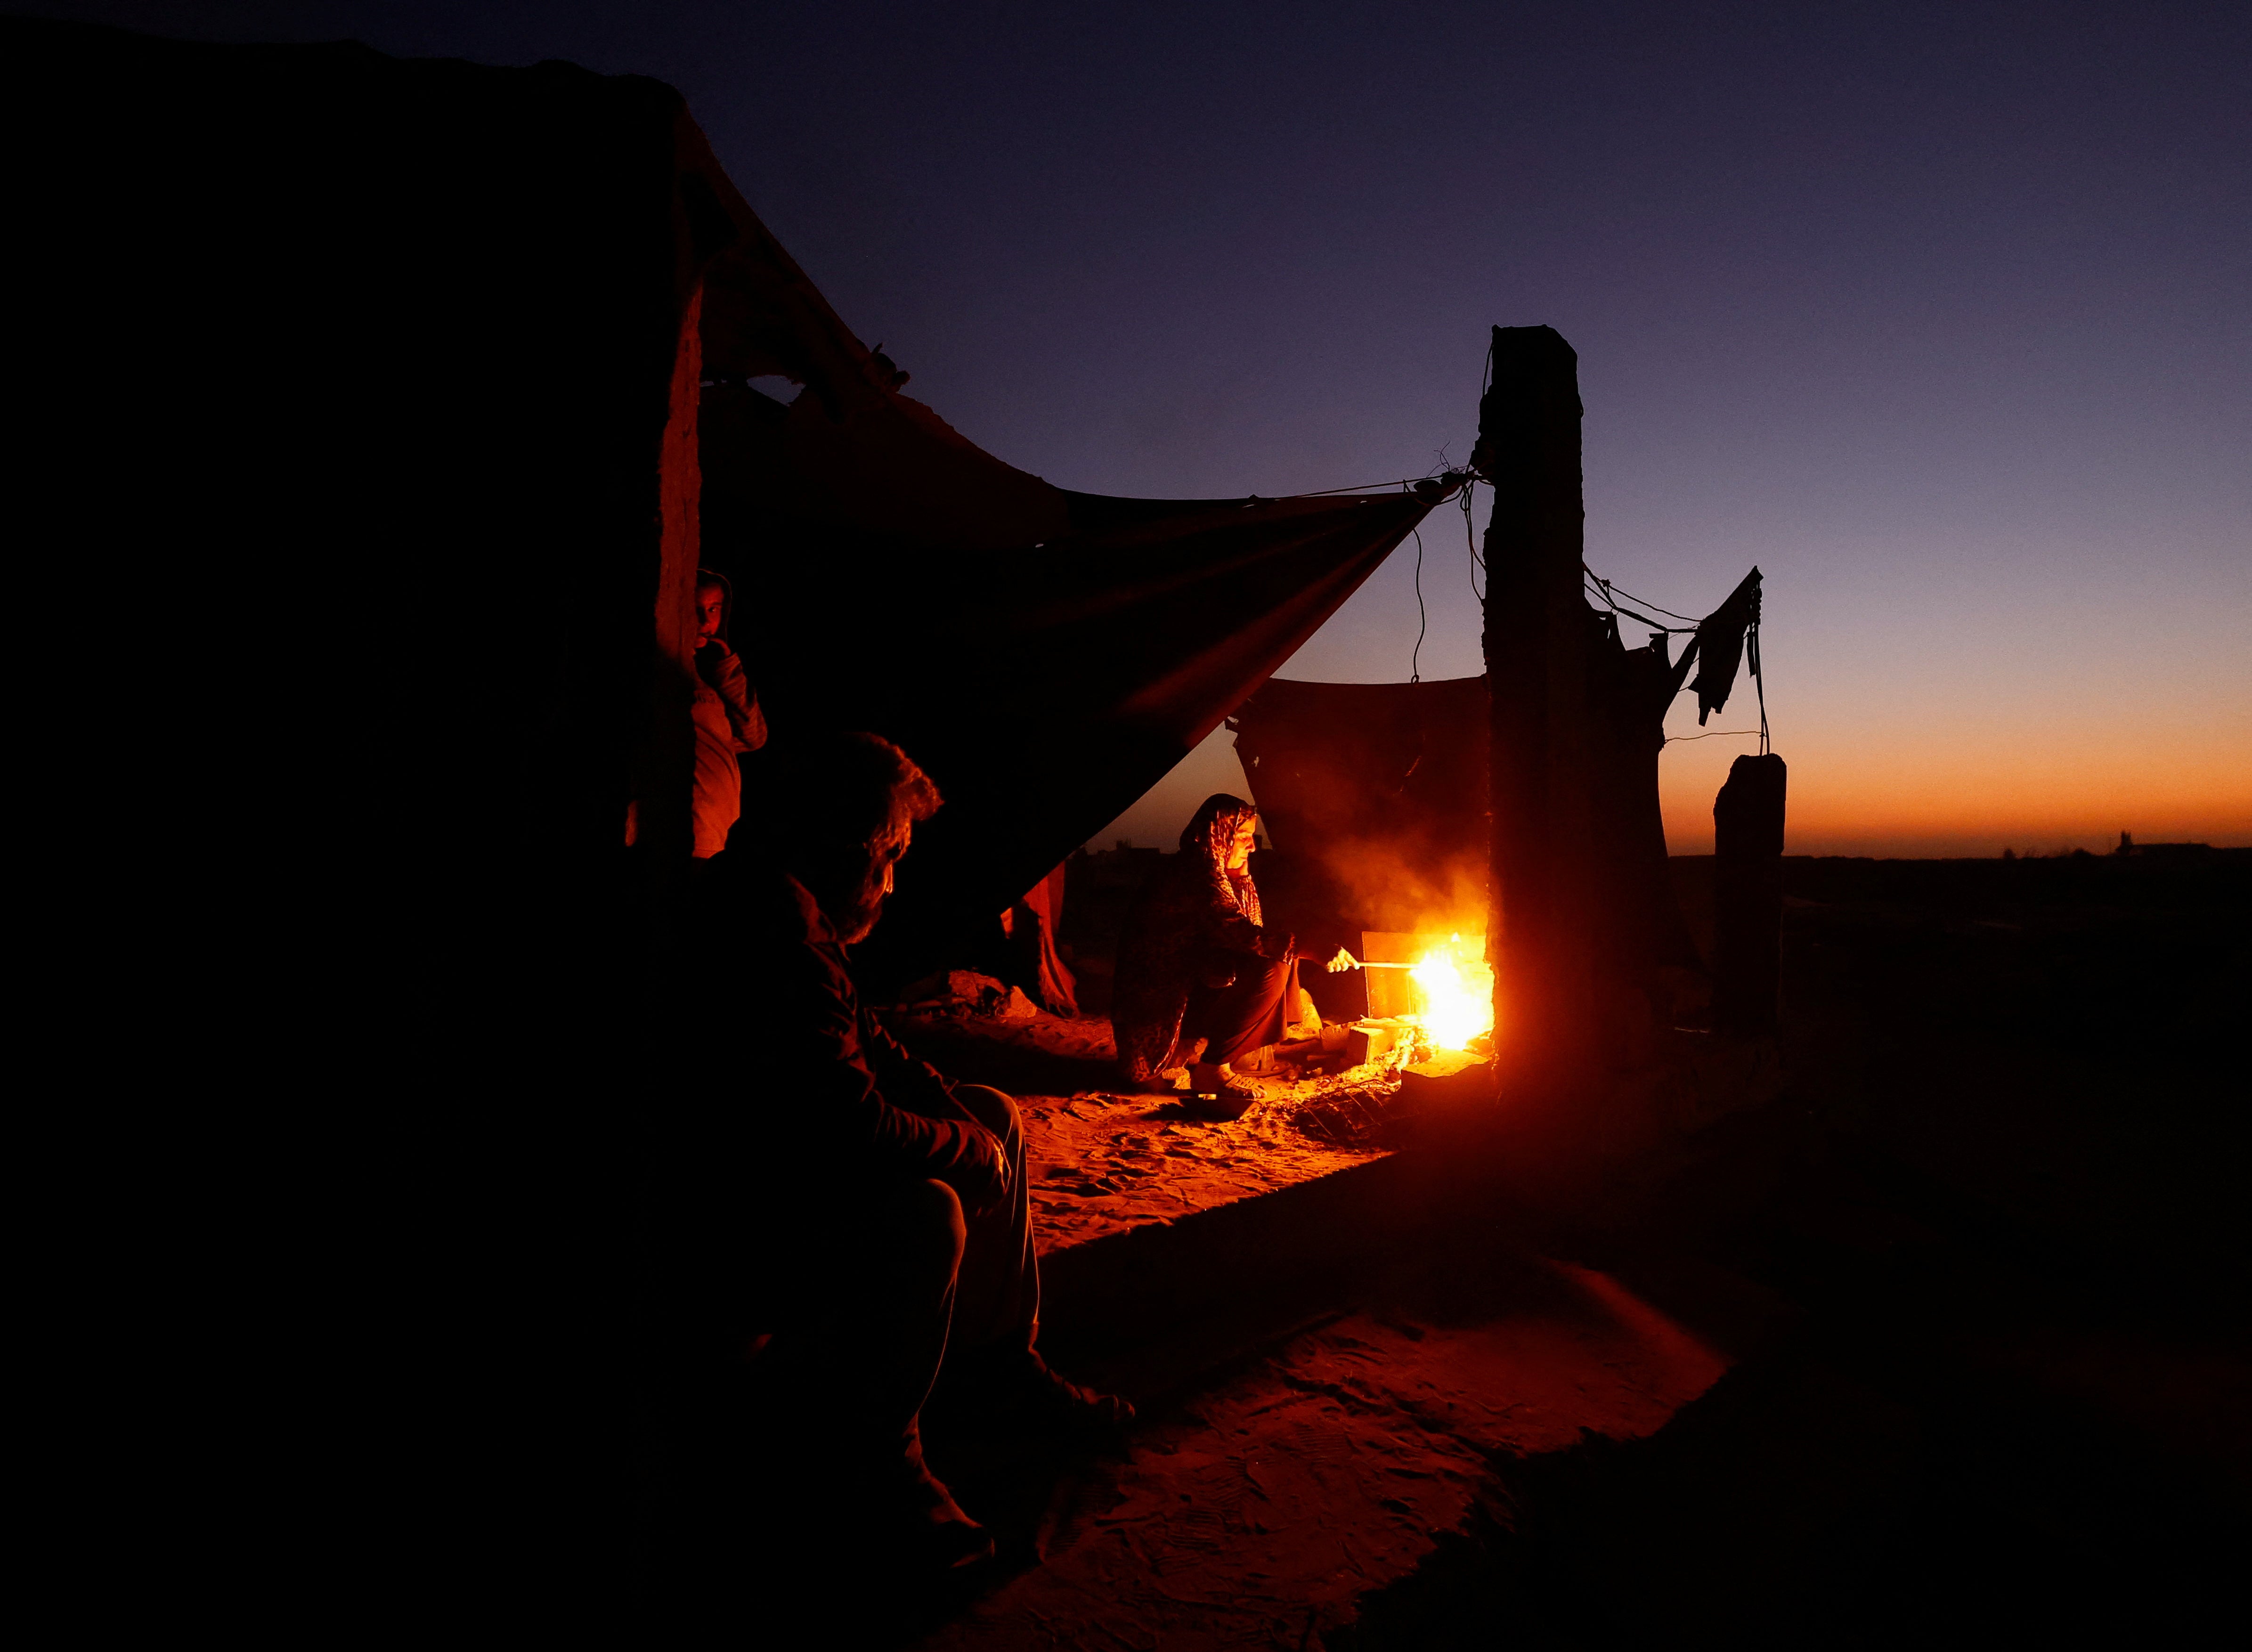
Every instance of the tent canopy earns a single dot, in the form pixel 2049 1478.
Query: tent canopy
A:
pixel 1046 655
pixel 433 334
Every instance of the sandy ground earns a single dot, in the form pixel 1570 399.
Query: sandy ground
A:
pixel 1264 1513
pixel 1102 1162
pixel 1106 1163
pixel 1939 1338
pixel 1267 1509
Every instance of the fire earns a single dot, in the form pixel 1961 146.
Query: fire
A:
pixel 1456 990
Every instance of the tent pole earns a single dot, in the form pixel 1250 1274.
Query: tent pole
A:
pixel 1542 927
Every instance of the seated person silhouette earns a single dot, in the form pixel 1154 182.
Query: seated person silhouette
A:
pixel 869 1214
pixel 1197 967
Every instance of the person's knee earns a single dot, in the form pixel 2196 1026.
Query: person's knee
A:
pixel 994 1109
pixel 931 1233
pixel 934 1216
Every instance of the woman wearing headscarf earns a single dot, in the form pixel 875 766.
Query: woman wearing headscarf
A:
pixel 1196 966
pixel 726 715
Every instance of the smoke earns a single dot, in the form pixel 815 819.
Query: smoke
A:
pixel 1407 886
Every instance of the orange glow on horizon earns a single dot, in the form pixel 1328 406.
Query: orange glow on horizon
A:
pixel 1969 793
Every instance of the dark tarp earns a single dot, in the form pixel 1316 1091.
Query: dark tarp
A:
pixel 1373 796
pixel 1046 655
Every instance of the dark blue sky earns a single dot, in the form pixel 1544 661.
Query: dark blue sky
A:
pixel 1936 312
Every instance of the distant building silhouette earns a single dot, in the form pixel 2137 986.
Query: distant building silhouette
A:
pixel 2128 846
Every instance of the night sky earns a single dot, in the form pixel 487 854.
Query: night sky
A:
pixel 1938 313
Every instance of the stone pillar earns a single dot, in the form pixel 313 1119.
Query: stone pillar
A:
pixel 1748 895
pixel 1539 932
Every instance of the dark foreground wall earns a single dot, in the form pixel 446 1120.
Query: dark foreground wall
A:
pixel 359 427
pixel 355 443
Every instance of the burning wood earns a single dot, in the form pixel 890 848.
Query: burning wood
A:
pixel 1445 984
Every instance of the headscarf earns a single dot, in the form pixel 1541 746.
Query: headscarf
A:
pixel 1210 836
pixel 708 576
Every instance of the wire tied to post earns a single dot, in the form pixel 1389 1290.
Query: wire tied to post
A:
pixel 1607 594
pixel 1422 616
pixel 1758 678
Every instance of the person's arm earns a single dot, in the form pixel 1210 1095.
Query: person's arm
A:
pixel 848 1107
pixel 744 716
pixel 906 1079
pixel 1233 931
pixel 1226 929
pixel 794 1073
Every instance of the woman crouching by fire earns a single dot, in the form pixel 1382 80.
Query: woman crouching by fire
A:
pixel 1199 978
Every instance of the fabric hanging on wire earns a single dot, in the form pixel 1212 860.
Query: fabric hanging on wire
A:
pixel 1720 646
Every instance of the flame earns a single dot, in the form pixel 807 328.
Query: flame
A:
pixel 1457 995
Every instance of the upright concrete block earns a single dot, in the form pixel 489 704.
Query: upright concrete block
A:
pixel 1748 895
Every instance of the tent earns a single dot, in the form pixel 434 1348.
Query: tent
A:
pixel 1046 655
pixel 357 403
pixel 442 387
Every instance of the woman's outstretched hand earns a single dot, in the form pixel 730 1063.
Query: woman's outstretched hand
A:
pixel 1343 960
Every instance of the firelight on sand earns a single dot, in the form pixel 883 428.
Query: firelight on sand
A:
pixel 1456 993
